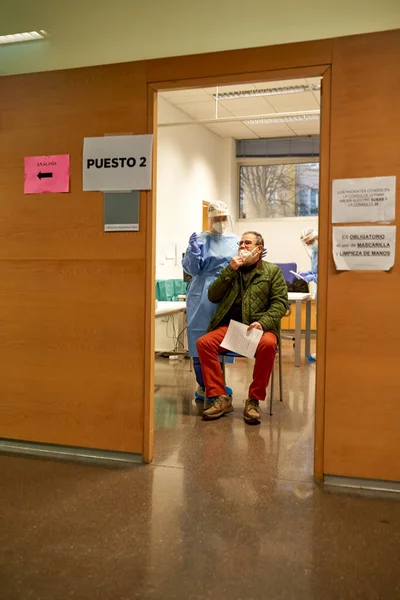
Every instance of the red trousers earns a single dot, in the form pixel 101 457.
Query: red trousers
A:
pixel 209 347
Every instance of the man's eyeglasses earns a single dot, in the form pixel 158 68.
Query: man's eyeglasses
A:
pixel 245 243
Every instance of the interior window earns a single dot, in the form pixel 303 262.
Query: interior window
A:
pixel 278 190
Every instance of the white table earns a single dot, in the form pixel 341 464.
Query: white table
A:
pixel 169 308
pixel 297 299
pixel 165 309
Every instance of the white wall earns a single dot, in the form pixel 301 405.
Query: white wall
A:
pixel 282 238
pixel 193 164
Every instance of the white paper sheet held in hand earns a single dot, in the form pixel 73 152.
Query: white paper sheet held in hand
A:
pixel 238 339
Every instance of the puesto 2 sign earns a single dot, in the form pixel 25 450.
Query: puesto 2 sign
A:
pixel 118 163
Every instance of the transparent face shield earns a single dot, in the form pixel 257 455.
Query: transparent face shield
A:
pixel 307 250
pixel 309 245
pixel 220 225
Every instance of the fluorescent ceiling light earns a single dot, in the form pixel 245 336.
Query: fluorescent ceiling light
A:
pixel 293 89
pixel 27 36
pixel 273 120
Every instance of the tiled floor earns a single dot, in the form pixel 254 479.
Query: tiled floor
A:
pixel 226 511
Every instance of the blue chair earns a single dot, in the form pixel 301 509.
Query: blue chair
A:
pixel 272 380
pixel 289 278
pixel 286 268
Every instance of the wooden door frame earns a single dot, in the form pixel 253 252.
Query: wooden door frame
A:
pixel 299 72
pixel 204 205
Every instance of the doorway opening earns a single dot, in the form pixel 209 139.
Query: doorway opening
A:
pixel 255 145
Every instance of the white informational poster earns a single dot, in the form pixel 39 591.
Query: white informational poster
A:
pixel 117 163
pixel 368 248
pixel 371 199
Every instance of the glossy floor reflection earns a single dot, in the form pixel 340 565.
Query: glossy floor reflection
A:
pixel 281 448
pixel 226 511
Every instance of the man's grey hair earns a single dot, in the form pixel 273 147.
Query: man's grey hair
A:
pixel 258 236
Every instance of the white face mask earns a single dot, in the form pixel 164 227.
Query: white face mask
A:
pixel 311 248
pixel 219 226
pixel 246 255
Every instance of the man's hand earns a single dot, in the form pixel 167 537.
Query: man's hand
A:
pixel 236 262
pixel 255 325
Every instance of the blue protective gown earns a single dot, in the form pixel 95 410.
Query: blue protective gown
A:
pixel 314 264
pixel 216 252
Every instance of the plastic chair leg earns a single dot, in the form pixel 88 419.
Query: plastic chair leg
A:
pixel 271 395
pixel 280 371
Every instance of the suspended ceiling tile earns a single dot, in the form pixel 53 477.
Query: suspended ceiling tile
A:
pixel 294 102
pixel 316 93
pixel 314 80
pixel 244 107
pixel 305 127
pixel 317 96
pixel 233 129
pixel 203 110
pixel 272 130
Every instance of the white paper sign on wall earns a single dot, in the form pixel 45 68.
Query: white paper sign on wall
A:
pixel 370 199
pixel 364 248
pixel 117 163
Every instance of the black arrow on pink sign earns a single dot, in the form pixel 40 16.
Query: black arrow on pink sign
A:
pixel 44 175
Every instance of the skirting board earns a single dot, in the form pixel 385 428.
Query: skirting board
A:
pixel 108 457
pixel 363 484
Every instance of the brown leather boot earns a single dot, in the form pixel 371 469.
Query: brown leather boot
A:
pixel 221 406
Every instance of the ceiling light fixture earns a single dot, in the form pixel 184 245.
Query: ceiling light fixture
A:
pixel 274 120
pixel 27 36
pixel 293 89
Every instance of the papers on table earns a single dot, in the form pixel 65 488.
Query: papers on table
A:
pixel 238 339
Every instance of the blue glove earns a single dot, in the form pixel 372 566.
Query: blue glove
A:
pixel 193 244
pixel 264 252
pixel 309 277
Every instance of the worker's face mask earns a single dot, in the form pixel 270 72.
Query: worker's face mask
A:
pixel 311 248
pixel 219 226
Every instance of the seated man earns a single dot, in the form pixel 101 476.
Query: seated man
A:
pixel 253 292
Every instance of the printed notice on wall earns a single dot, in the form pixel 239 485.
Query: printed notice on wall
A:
pixel 121 211
pixel 369 248
pixel 361 200
pixel 119 163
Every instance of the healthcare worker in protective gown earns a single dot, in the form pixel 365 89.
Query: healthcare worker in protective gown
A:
pixel 207 254
pixel 309 238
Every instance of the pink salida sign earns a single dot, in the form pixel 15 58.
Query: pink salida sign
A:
pixel 46 174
